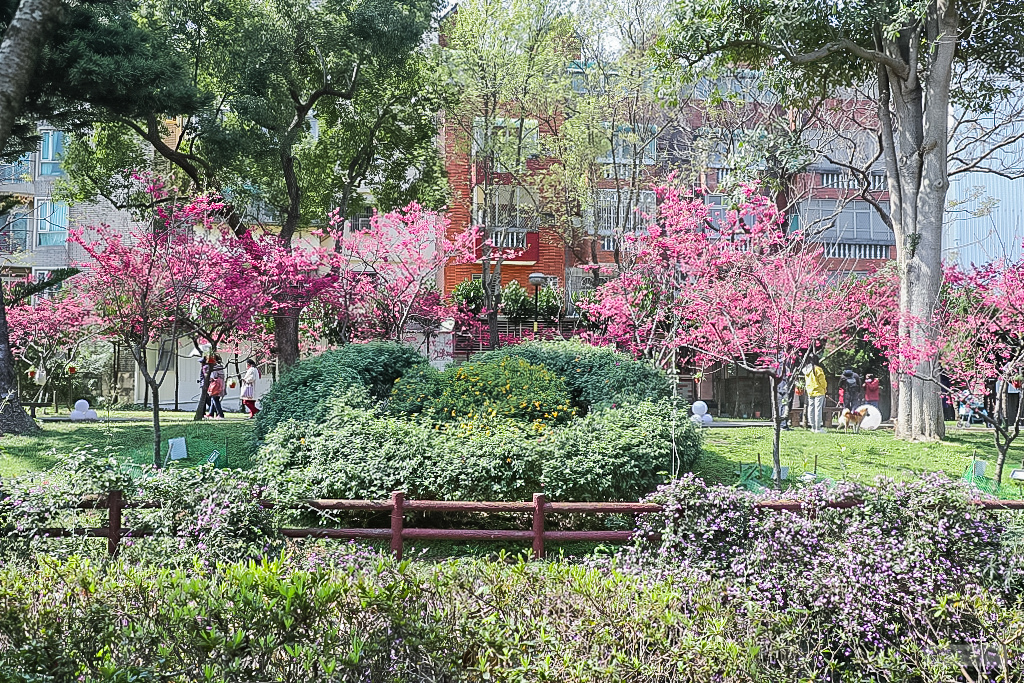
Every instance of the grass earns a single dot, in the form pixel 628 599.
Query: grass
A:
pixel 130 440
pixel 858 457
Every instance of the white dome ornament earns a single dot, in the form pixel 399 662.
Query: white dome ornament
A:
pixel 82 411
pixel 873 419
pixel 701 417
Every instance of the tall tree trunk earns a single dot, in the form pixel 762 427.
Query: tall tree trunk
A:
pixel 19 52
pixel 139 352
pixel 156 424
pixel 13 418
pixel 204 392
pixel 286 336
pixel 773 383
pixel 913 112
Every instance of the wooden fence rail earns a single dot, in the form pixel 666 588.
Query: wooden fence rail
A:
pixel 115 504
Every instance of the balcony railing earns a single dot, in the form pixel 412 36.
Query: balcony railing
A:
pixel 14 173
pixel 845 250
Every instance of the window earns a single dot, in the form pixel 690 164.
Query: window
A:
pixel 619 212
pixel 495 283
pixel 18 172
pixel 41 275
pixel 718 212
pixel 360 221
pixel 52 222
pixel 856 221
pixel 14 232
pixel 508 142
pixel 165 355
pixel 51 153
pixel 587 79
pixel 629 147
pixel 510 208
pixel 845 250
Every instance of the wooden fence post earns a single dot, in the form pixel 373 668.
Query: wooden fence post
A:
pixel 115 503
pixel 538 526
pixel 397 522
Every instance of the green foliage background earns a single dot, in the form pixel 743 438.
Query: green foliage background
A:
pixel 304 393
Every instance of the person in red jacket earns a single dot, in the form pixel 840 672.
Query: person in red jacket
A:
pixel 871 389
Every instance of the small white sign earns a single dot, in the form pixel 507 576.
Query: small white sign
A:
pixel 176 449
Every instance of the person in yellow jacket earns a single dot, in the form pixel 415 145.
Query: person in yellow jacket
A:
pixel 816 384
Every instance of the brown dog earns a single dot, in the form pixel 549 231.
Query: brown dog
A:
pixel 851 418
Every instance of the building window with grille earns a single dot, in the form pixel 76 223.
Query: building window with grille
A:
pixel 51 222
pixel 14 228
pixel 621 212
pixel 18 172
pixel 495 282
pixel 840 180
pixel 51 153
pixel 510 209
pixel 628 147
pixel 507 143
pixel 360 221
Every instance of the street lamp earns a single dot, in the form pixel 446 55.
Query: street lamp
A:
pixel 538 280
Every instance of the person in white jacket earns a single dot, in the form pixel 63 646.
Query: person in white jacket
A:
pixel 249 380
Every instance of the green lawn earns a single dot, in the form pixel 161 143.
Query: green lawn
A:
pixel 132 440
pixel 859 457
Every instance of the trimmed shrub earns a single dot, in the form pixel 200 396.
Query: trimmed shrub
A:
pixel 611 454
pixel 518 304
pixel 415 390
pixel 358 455
pixel 595 377
pixel 509 388
pixel 306 390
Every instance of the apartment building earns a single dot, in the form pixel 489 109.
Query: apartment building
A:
pixel 823 202
pixel 34 234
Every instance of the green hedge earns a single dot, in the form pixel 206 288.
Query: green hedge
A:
pixel 510 388
pixel 596 377
pixel 306 390
pixel 612 454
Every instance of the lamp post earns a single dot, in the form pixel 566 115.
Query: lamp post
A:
pixel 537 280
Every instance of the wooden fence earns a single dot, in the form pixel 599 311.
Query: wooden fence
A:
pixel 398 533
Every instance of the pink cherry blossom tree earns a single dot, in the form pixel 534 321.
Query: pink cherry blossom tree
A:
pixel 981 324
pixel 391 271
pixel 129 279
pixel 735 291
pixel 49 331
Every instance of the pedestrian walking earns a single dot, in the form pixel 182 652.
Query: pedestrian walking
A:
pixel 249 379
pixel 216 389
pixel 816 385
pixel 850 382
pixel 872 387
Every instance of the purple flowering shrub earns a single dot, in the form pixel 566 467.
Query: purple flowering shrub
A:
pixel 865 576
pixel 206 515
pixel 345 615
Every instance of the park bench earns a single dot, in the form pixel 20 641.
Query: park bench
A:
pixel 828 416
pixel 32 405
